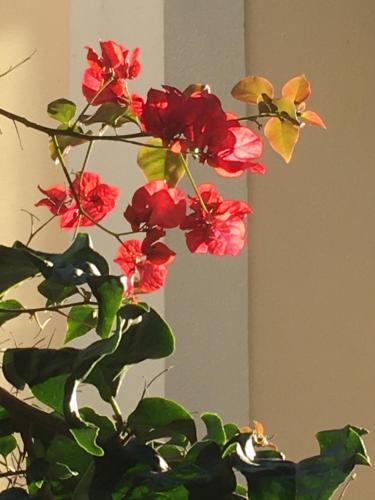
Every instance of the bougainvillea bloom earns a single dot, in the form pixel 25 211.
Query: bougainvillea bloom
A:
pixel 142 273
pixel 56 201
pixel 109 72
pixel 219 231
pixel 156 204
pixel 198 123
pixel 96 200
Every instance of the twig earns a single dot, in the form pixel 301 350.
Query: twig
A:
pixel 33 310
pixel 18 135
pixel 149 384
pixel 12 68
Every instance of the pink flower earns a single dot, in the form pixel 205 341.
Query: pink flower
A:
pixel 110 72
pixel 156 204
pixel 220 230
pixel 96 200
pixel 142 271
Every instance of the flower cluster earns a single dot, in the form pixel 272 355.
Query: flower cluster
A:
pixel 197 123
pixel 95 199
pixel 190 123
pixel 105 78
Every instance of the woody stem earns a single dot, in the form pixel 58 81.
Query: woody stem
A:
pixel 193 183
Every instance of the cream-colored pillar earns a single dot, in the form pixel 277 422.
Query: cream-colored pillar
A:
pixel 311 257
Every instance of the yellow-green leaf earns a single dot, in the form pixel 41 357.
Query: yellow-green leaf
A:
pixel 251 87
pixel 298 89
pixel 286 105
pixel 313 118
pixel 282 136
pixel 160 164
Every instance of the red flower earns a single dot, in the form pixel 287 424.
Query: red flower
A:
pixel 232 148
pixel 221 230
pixel 156 204
pixel 56 200
pixel 197 123
pixel 113 67
pixel 142 273
pixel 96 200
pixel 164 113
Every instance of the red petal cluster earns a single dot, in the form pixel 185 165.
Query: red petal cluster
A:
pixel 113 66
pixel 95 197
pixel 220 230
pixel 156 204
pixel 145 272
pixel 197 123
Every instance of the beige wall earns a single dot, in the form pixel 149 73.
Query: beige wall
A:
pixel 312 241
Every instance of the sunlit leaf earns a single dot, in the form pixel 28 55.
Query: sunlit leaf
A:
pixel 62 110
pixel 156 417
pixel 286 105
pixel 298 89
pixel 214 427
pixel 65 142
pixel 160 164
pixel 111 113
pixel 282 136
pixel 251 87
pixel 313 118
pixel 108 291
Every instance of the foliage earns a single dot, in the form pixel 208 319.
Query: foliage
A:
pixel 70 451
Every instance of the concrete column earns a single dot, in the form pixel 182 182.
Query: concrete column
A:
pixel 206 296
pixel 311 259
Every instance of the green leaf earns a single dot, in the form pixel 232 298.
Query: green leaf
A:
pixel 65 142
pixel 9 304
pixel 317 477
pixel 7 445
pixel 62 110
pixel 106 427
pixel 112 114
pixel 52 392
pixel 215 428
pixel 145 336
pixel 15 267
pixel 66 451
pixel 231 430
pixel 160 164
pixel 81 319
pixel 157 417
pixel 108 291
pixel 86 438
pixel 282 136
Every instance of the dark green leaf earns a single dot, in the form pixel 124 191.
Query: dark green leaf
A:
pixel 157 417
pixel 146 336
pixel 62 110
pixel 9 304
pixel 7 445
pixel 108 291
pixel 106 427
pixel 52 392
pixel 215 428
pixel 15 267
pixel 14 494
pixel 160 163
pixel 81 319
pixel 66 451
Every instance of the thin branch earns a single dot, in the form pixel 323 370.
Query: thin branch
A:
pixel 18 135
pixel 34 310
pixel 12 68
pixel 70 133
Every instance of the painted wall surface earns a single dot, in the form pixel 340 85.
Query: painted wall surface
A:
pixel 134 24
pixel 207 296
pixel 312 245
